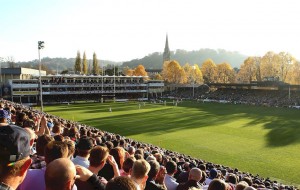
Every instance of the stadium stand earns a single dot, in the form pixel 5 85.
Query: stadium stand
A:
pixel 59 170
pixel 70 88
pixel 258 97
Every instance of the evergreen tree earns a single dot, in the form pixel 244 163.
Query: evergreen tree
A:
pixel 95 65
pixel 77 67
pixel 84 65
pixel 89 68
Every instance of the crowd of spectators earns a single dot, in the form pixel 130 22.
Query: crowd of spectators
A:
pixel 41 151
pixel 273 98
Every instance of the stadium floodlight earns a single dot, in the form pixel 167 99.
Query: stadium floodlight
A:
pixel 41 45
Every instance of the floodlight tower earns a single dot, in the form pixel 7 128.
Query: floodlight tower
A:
pixel 41 45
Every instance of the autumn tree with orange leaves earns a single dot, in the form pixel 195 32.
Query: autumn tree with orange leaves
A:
pixel 140 71
pixel 225 73
pixel 173 72
pixel 209 71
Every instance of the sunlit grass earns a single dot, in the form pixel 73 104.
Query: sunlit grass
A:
pixel 259 140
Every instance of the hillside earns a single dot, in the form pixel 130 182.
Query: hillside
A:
pixel 60 64
pixel 154 60
pixel 151 61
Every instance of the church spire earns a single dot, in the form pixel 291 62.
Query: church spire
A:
pixel 166 54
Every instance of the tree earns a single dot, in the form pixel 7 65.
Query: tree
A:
pixel 140 71
pixel 112 70
pixel 89 70
pixel 125 71
pixel 293 76
pixel 64 72
pixel 269 66
pixel 77 66
pixel 247 72
pixel 173 72
pixel 164 72
pixel 182 77
pixel 95 70
pixel 130 72
pixel 44 68
pixel 84 65
pixel 193 74
pixel 286 62
pixel 158 77
pixel 197 74
pixel 225 73
pixel 188 72
pixel 10 62
pixel 208 70
pixel 257 62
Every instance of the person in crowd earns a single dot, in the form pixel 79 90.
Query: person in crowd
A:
pixel 121 183
pixel 213 173
pixel 59 138
pixel 138 156
pixel 60 175
pixel 74 134
pixel 158 158
pixel 2 105
pixel 3 118
pixel 131 150
pixel 98 157
pixel 71 147
pixel 150 157
pixel 231 179
pixel 56 129
pixel 252 188
pixel 20 118
pixel 35 177
pixel 184 175
pixel 127 166
pixel 140 151
pixel 195 176
pixel 240 186
pixel 32 140
pixel 217 184
pixel 156 177
pixel 169 180
pixel 38 159
pixel 139 173
pixel 83 147
pixel 50 123
pixel 12 115
pixel 119 154
pixel 248 180
pixel 203 178
pixel 14 156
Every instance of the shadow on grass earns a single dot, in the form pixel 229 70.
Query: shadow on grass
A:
pixel 283 124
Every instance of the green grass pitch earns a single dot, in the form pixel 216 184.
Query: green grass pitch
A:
pixel 260 140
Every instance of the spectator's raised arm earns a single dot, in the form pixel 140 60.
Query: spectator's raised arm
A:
pixel 114 164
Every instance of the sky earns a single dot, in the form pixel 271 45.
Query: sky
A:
pixel 122 30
